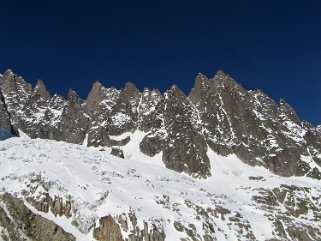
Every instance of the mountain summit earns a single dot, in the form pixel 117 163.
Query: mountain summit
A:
pixel 219 163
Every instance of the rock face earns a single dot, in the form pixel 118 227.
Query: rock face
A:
pixel 253 126
pixel 6 127
pixel 218 114
pixel 18 221
pixel 74 120
pixel 178 135
pixel 117 152
pixel 108 230
pixel 56 205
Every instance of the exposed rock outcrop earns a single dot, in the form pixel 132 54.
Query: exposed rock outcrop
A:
pixel 251 125
pixel 56 205
pixel 20 220
pixel 117 152
pixel 184 147
pixel 6 128
pixel 108 230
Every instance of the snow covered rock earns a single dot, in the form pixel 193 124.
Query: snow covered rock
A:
pixel 92 194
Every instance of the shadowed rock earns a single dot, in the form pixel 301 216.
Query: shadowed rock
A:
pixel 117 152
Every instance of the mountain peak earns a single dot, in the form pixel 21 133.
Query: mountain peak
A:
pixel 96 85
pixel 72 96
pixel 6 77
pixel 130 90
pixel 8 72
pixel 201 76
pixel 41 89
pixel 96 90
pixel 199 85
pixel 221 75
pixel 176 91
pixel 130 86
pixel 94 97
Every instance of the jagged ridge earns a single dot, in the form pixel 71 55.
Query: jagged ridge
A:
pixel 218 114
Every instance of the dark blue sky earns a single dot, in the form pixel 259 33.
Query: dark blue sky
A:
pixel 270 45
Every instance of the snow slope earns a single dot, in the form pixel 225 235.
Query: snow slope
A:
pixel 99 184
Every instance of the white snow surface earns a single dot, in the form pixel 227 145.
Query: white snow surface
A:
pixel 99 184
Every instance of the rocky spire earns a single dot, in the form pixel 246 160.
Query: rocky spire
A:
pixel 221 75
pixel 5 122
pixel 7 75
pixel 199 86
pixel 73 97
pixel 130 90
pixel 12 82
pixel 223 80
pixel 41 90
pixel 176 92
pixel 94 97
